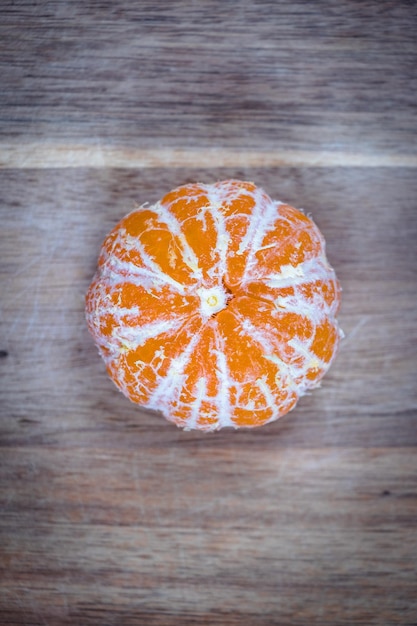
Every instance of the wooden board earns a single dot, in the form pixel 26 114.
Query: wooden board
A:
pixel 110 515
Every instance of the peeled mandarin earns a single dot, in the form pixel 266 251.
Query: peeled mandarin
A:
pixel 216 306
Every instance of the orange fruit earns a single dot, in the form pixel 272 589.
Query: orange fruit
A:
pixel 215 306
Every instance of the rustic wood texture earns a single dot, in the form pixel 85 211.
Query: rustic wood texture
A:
pixel 110 516
pixel 261 74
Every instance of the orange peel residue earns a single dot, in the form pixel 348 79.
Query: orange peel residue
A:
pixel 215 306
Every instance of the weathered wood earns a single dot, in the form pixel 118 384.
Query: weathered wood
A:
pixel 110 515
pixel 261 75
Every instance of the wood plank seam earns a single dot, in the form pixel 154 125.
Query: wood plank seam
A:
pixel 45 155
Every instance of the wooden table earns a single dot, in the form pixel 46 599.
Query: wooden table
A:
pixel 110 515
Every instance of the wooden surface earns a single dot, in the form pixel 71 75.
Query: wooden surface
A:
pixel 109 515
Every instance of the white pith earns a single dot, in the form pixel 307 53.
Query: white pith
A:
pixel 213 300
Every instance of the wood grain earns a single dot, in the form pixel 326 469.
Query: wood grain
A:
pixel 112 516
pixel 250 75
pixel 109 515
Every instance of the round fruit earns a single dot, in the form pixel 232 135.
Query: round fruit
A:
pixel 215 306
